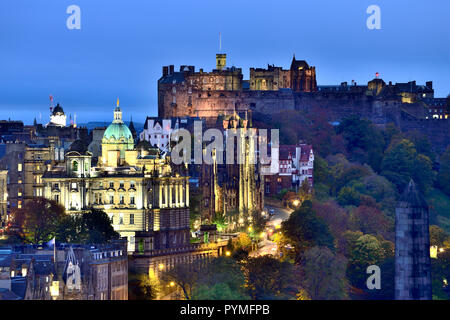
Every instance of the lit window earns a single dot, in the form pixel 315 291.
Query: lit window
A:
pixel 19 167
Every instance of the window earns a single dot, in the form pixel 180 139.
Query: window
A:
pixel 111 185
pixel 122 199
pixel 111 199
pixel 132 185
pixel 132 200
pixel 120 218
pixel 56 197
pixel 74 185
pixel 131 218
pixel 19 204
pixel 19 167
pixel 74 166
pixel 122 184
pixel 56 186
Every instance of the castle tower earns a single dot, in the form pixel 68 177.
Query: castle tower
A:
pixel 221 60
pixel 412 247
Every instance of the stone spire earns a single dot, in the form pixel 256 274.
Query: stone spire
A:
pixel 132 129
pixel 412 247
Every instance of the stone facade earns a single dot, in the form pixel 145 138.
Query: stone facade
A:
pixel 412 247
pixel 140 191
pixel 188 93
pixel 234 190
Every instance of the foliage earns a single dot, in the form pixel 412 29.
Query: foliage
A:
pixel 364 141
pixel 334 216
pixel 401 163
pixel 222 279
pixel 185 276
pixel 305 229
pixel 39 219
pixel 439 204
pixel 443 177
pixel 323 274
pixel 242 241
pixel 93 226
pixel 142 287
pixel 348 196
pixel 365 251
pixel 305 191
pixel 269 278
pixel 438 237
pixel 440 271
pixel 372 221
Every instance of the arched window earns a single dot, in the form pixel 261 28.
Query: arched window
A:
pixel 75 166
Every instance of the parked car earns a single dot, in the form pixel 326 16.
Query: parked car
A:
pixel 271 212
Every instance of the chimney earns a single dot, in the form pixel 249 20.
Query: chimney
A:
pixel 171 67
pixel 429 84
pixel 165 71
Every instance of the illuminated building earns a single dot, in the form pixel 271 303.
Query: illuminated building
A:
pixel 234 190
pixel 57 117
pixel 137 187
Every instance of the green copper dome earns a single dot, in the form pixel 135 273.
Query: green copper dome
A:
pixel 117 131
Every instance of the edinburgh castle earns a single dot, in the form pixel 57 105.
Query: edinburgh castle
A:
pixel 191 93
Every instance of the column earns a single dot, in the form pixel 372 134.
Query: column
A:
pixel 160 195
pixel 187 193
pixel 170 195
pixel 166 187
pixel 177 199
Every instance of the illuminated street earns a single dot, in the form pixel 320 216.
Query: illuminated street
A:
pixel 267 246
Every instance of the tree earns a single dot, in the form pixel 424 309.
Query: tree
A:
pixel 323 274
pixel 269 278
pixel 142 287
pixel 222 279
pixel 39 219
pixel 364 141
pixel 242 241
pixel 304 229
pixel 97 227
pixel 185 276
pixel 305 192
pixel 348 196
pixel 366 251
pixel 334 216
pixel 438 237
pixel 444 172
pixel 93 226
pixel 402 162
pixel 370 220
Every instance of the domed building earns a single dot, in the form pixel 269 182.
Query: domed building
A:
pixel 117 139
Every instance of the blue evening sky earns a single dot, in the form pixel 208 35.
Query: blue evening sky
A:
pixel 122 46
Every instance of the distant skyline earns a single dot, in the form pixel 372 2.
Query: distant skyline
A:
pixel 122 46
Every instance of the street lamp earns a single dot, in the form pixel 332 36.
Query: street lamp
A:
pixel 296 202
pixel 228 253
pixel 250 229
pixel 161 266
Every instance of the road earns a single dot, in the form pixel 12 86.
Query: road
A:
pixel 266 246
